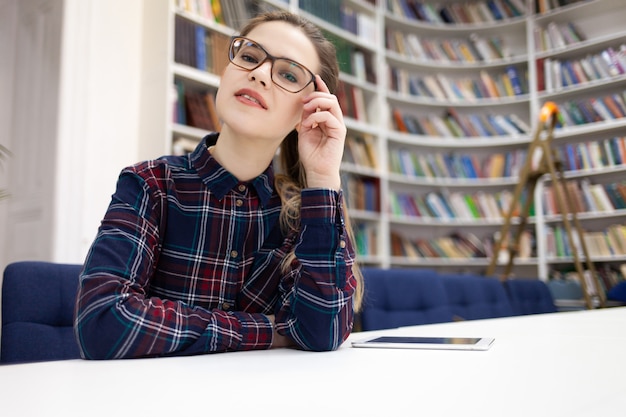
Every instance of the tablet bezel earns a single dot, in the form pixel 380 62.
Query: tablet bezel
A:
pixel 421 342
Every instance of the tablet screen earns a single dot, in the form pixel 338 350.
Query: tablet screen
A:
pixel 431 340
pixel 426 342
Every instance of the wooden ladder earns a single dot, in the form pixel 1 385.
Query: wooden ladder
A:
pixel 540 160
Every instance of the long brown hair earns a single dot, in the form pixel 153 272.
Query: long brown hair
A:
pixel 292 178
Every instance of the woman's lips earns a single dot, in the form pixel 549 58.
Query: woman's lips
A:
pixel 251 97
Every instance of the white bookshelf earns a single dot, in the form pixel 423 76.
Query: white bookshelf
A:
pixel 599 20
pixel 587 17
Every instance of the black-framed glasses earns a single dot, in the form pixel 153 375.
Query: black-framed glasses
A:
pixel 287 74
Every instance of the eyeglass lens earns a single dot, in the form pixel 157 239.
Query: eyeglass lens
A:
pixel 285 73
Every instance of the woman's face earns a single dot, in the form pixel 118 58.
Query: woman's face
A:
pixel 249 103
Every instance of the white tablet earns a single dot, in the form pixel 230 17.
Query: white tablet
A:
pixel 418 342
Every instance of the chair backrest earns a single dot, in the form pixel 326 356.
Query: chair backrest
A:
pixel 476 297
pixel 37 312
pixel 529 296
pixel 402 297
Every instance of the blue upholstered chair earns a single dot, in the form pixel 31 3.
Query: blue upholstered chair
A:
pixel 618 292
pixel 37 309
pixel 529 296
pixel 476 297
pixel 402 297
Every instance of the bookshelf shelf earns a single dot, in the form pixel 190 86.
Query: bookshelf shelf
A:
pixel 187 131
pixel 365 215
pixel 403 99
pixel 568 260
pixel 358 126
pixel 199 77
pixel 439 142
pixel 594 216
pixel 458 263
pixel 397 59
pixel 587 87
pixel 605 127
pixel 451 224
pixel 583 47
pixel 439 182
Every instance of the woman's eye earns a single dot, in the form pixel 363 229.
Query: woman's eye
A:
pixel 248 58
pixel 289 76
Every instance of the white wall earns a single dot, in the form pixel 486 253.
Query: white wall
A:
pixel 94 134
pixel 30 124
pixel 99 108
pixel 8 13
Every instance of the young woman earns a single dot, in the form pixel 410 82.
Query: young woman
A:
pixel 214 251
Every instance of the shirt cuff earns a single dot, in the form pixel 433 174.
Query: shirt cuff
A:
pixel 256 331
pixel 321 206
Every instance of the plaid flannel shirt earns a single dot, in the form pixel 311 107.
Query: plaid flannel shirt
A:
pixel 187 261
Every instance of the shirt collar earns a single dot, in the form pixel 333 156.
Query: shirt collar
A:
pixel 219 180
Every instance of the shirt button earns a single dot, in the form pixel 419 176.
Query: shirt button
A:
pixel 226 306
pixel 239 203
pixel 342 244
pixel 242 188
pixel 234 253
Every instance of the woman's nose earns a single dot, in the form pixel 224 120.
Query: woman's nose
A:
pixel 262 73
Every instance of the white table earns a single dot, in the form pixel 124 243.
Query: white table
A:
pixel 561 364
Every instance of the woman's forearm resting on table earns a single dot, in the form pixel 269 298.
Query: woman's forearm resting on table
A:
pixel 117 318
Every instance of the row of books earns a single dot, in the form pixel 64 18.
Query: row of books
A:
pixel 554 74
pixel 353 102
pixel 456 205
pixel 353 59
pixel 557 35
pixel 359 24
pixel 451 165
pixel 608 242
pixel 467 245
pixel 361 150
pixel 343 16
pixel 228 12
pixel 366 238
pixel 198 47
pixel 510 83
pixel 455 125
pixel 361 193
pixel 195 108
pixel 474 49
pixel 474 12
pixel 203 8
pixel 586 197
pixel 524 248
pixel 544 6
pixel 594 109
pixel 604 153
pixel 182 145
pixel 463 245
pixel 608 276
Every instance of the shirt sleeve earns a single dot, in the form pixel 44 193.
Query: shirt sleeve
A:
pixel 115 317
pixel 316 306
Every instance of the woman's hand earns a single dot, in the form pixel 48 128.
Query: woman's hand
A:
pixel 279 341
pixel 321 138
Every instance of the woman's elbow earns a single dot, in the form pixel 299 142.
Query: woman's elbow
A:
pixel 90 344
pixel 96 340
pixel 327 342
